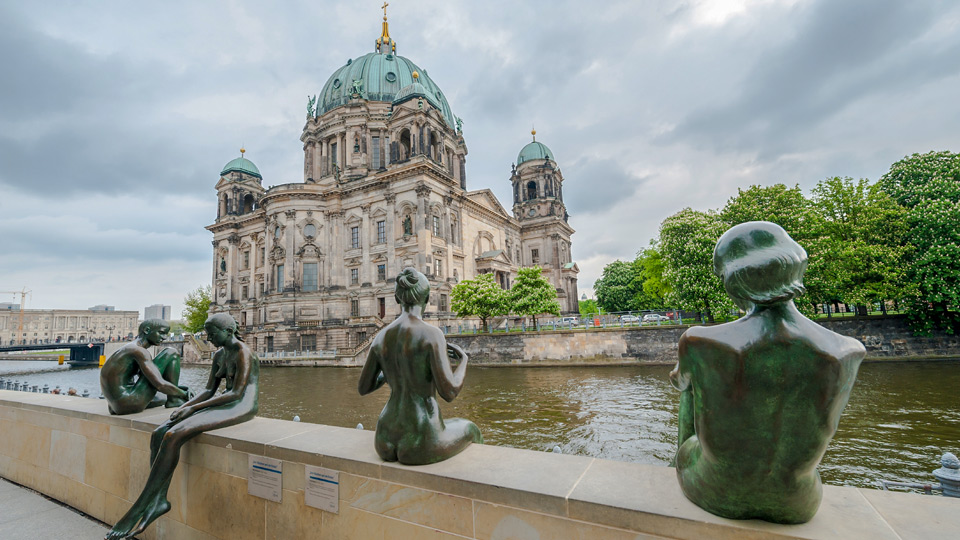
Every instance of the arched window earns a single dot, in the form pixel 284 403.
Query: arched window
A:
pixel 404 145
pixel 531 190
pixel 248 203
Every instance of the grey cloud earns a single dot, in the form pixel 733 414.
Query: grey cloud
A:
pixel 594 185
pixel 842 52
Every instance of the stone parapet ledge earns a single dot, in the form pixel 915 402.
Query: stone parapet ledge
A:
pixel 72 450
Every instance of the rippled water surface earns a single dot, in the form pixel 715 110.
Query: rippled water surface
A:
pixel 900 419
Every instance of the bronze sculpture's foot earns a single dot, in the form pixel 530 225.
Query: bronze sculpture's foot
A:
pixel 174 402
pixel 152 512
pixel 122 528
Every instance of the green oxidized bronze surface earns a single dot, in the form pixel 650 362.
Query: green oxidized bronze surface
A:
pixel 239 368
pixel 761 396
pixel 130 379
pixel 414 359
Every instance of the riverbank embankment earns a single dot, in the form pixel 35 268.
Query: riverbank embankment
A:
pixel 887 338
pixel 74 451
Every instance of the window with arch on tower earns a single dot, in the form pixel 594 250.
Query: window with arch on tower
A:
pixel 531 190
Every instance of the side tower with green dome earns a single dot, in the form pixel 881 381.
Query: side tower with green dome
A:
pixel 544 228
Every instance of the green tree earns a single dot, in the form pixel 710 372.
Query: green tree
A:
pixel 588 306
pixel 532 294
pixel 651 289
pixel 197 306
pixel 928 186
pixel 480 297
pixel 787 207
pixel 615 288
pixel 687 239
pixel 860 245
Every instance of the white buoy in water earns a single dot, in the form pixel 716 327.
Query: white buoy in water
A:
pixel 296 418
pixel 359 426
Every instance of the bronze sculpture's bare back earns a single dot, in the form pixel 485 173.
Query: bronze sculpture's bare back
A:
pixel 130 378
pixel 762 396
pixel 412 357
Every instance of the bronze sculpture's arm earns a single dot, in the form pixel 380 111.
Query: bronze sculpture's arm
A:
pixel 371 378
pixel 447 382
pixel 239 385
pixel 149 370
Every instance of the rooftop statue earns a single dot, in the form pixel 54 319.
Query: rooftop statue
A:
pixel 761 396
pixel 414 359
pixel 130 379
pixel 233 363
pixel 310 105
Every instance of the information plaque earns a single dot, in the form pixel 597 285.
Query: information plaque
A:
pixel 322 489
pixel 265 478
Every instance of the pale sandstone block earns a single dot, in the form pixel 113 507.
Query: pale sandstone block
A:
pixel 218 504
pixel 401 530
pixel 495 522
pixel 131 438
pixel 68 454
pixel 915 516
pixel 216 458
pixel 428 508
pixel 291 518
pixel 293 476
pixel 87 499
pixel 90 430
pixel 354 524
pixel 139 470
pixel 108 467
pixel 169 529
pixel 26 442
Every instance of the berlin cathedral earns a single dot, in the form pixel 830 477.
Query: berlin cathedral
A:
pixel 311 265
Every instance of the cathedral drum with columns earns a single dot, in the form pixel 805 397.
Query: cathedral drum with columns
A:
pixel 311 265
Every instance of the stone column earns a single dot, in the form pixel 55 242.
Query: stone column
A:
pixel 324 157
pixel 391 198
pixel 365 242
pixel 213 278
pixel 233 242
pixel 289 269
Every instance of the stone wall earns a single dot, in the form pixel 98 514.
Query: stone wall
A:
pixel 72 450
pixel 885 338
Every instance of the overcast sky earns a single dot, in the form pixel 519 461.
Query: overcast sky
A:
pixel 116 117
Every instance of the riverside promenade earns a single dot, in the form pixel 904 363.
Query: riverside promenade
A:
pixel 26 515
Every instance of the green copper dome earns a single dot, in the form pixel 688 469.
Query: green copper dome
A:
pixel 535 150
pixel 381 76
pixel 241 164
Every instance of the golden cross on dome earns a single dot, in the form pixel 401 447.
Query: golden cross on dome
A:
pixel 384 7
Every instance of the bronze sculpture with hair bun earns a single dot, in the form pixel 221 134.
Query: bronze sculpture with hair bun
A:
pixel 413 358
pixel 761 396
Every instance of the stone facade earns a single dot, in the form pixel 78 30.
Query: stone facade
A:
pixel 66 326
pixel 311 265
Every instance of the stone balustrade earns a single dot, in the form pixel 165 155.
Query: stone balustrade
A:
pixel 72 450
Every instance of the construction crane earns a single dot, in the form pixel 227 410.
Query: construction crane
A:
pixel 23 301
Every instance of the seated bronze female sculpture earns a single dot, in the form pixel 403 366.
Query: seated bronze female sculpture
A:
pixel 761 396
pixel 239 367
pixel 412 357
pixel 130 379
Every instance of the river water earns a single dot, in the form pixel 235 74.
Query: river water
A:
pixel 900 419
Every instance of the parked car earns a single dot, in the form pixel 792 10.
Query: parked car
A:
pixel 566 321
pixel 629 319
pixel 655 317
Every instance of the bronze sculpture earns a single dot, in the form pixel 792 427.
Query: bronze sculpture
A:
pixel 233 363
pixel 761 396
pixel 412 357
pixel 130 379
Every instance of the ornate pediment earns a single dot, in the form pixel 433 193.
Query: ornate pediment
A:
pixel 309 250
pixel 277 253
